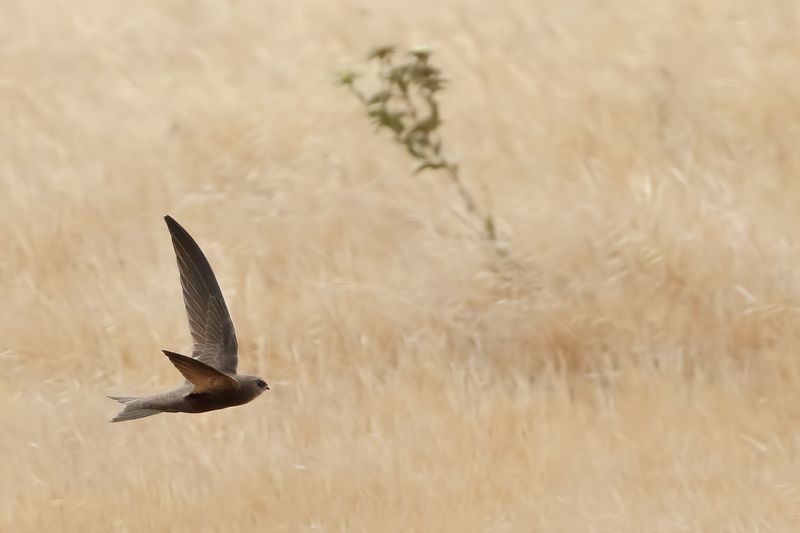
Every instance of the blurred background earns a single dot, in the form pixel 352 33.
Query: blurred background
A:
pixel 629 365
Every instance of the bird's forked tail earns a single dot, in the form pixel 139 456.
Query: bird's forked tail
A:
pixel 132 409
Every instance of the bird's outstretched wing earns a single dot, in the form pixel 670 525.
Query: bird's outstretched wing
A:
pixel 209 321
pixel 202 376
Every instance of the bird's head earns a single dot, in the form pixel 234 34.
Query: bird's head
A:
pixel 253 384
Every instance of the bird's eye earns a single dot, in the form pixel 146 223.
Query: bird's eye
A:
pixel 261 383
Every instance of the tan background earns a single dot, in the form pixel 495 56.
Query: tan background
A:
pixel 636 369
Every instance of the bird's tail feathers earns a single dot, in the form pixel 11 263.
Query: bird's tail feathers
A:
pixel 132 411
pixel 125 399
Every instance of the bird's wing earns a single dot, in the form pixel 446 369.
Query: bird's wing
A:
pixel 201 375
pixel 209 321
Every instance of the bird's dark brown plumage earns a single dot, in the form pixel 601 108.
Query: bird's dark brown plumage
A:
pixel 209 321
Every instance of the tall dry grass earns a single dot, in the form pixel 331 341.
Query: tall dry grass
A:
pixel 635 369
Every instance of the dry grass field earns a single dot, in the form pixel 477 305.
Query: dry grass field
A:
pixel 632 366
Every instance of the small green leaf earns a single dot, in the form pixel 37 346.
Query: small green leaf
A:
pixel 380 97
pixel 421 53
pixel 346 78
pixel 381 52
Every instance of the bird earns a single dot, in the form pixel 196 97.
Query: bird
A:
pixel 212 381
